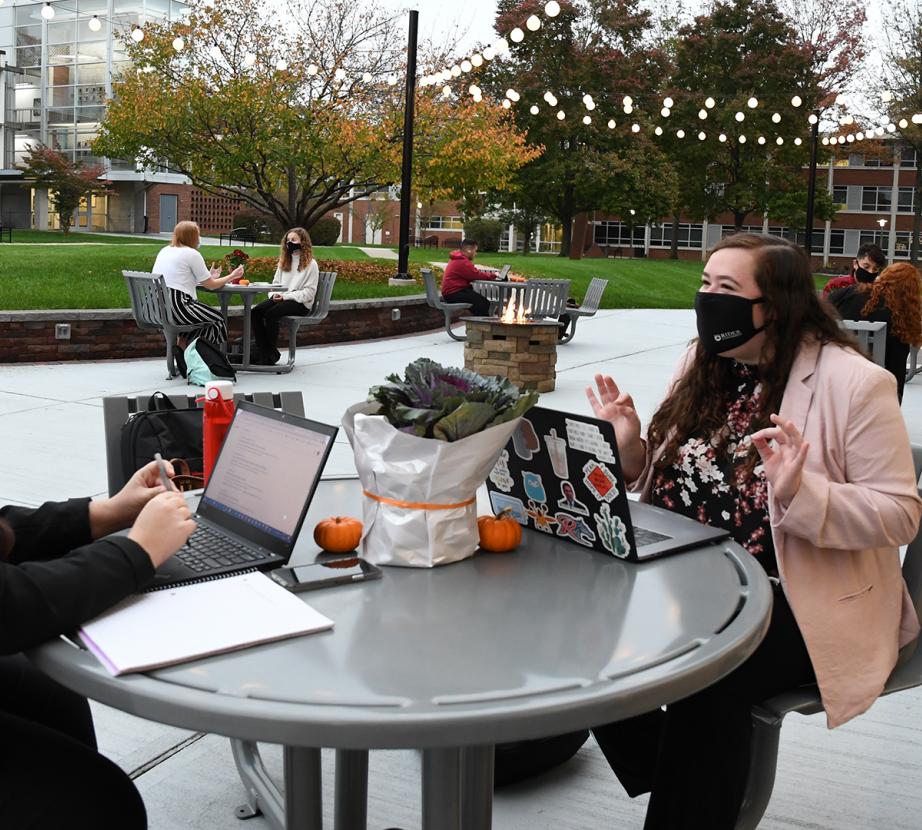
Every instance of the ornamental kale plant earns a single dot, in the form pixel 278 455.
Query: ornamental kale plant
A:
pixel 434 401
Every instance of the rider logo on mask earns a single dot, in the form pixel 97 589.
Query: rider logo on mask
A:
pixel 725 321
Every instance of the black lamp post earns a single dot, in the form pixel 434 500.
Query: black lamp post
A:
pixel 811 184
pixel 406 179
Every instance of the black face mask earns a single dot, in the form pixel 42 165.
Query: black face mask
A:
pixel 863 275
pixel 724 321
pixel 292 247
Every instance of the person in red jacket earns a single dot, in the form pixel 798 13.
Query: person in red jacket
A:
pixel 867 264
pixel 459 274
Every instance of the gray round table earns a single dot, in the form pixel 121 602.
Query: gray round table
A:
pixel 498 648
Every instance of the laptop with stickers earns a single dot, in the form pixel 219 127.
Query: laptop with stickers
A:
pixel 560 474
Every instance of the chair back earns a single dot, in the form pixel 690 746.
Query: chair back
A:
pixel 547 298
pixel 321 306
pixel 148 298
pixel 432 290
pixel 594 294
pixel 871 336
pixel 116 411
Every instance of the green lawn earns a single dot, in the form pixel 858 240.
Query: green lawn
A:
pixel 35 274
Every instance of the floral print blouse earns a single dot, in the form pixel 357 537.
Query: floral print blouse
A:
pixel 710 488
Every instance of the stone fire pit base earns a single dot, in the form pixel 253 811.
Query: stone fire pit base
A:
pixel 525 353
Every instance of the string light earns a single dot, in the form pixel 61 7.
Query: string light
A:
pixel 516 35
pixel 796 101
pixel 506 103
pixel 561 115
pixel 635 128
pixel 533 23
pixel 761 139
pixel 48 11
pixel 534 109
pixel 587 120
pixel 891 128
pixel 474 90
pixel 312 69
pixel 664 112
pixel 489 53
pixel 798 141
pixel 658 130
pixel 859 136
pixel 477 59
pixel 776 118
pixel 742 139
pixel 779 141
pixel 366 77
pixel 710 103
pixel 179 44
pixel 137 34
pixel 501 46
pixel 701 136
pixel 740 116
pixel 340 74
pixel 249 59
pixel 552 8
pixel 391 80
pixel 722 138
pixel 627 101
pixel 825 141
pixel 702 114
pixel 628 109
pixel 850 139
pixel 752 103
pixel 455 71
pixel 903 123
pixel 95 23
pixel 668 102
pixel 466 66
pixel 680 134
pixel 611 124
pixel 512 95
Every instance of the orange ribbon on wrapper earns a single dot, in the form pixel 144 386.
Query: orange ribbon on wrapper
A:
pixel 418 505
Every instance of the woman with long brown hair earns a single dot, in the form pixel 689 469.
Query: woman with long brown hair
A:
pixel 894 298
pixel 777 429
pixel 298 274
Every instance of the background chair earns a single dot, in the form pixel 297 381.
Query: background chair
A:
pixel 151 310
pixel 318 314
pixel 435 301
pixel 872 337
pixel 589 307
pixel 768 716
pixel 546 298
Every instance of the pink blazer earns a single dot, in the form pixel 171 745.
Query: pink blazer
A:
pixel 837 541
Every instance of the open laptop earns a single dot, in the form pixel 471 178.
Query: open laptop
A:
pixel 252 510
pixel 561 474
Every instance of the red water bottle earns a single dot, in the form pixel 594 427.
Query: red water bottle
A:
pixel 216 418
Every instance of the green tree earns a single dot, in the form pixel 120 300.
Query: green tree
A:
pixel 67 182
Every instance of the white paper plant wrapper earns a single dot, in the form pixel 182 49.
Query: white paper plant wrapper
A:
pixel 395 465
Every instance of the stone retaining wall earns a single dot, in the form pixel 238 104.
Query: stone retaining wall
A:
pixel 102 334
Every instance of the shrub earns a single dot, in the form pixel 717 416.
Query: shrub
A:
pixel 485 232
pixel 325 231
pixel 262 226
pixel 366 271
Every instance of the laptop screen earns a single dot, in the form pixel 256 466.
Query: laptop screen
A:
pixel 266 474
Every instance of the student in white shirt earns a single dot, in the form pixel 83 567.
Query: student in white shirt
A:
pixel 183 269
pixel 299 274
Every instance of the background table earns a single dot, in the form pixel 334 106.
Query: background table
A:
pixel 497 648
pixel 247 293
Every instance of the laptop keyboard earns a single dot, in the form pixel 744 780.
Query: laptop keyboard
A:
pixel 207 551
pixel 642 537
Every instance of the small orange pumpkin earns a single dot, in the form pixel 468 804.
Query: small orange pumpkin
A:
pixel 499 533
pixel 244 282
pixel 338 534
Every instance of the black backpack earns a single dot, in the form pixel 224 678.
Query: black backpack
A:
pixel 174 433
pixel 206 362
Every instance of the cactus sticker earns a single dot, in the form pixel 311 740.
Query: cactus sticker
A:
pixel 612 532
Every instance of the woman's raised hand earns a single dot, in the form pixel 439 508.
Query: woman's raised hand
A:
pixel 783 462
pixel 617 408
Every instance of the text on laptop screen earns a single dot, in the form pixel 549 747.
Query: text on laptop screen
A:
pixel 265 472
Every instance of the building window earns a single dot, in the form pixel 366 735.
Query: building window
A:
pixel 885 159
pixel 908 156
pixel 840 194
pixel 617 234
pixel 876 198
pixel 444 223
pixel 551 237
pixel 904 200
pixel 689 236
pixel 836 241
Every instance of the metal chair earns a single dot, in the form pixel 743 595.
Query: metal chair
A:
pixel 589 307
pixel 913 367
pixel 151 310
pixel 546 298
pixel 871 336
pixel 435 301
pixel 768 716
pixel 317 315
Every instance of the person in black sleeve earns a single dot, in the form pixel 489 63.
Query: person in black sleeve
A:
pixel 58 569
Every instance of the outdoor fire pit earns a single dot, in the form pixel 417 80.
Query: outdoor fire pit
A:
pixel 515 347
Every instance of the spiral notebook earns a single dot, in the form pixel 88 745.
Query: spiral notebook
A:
pixel 150 631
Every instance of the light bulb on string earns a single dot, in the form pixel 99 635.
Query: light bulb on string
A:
pixel 455 71
pixel 665 112
pixel 859 136
pixel 501 45
pixel 680 134
pixel 710 103
pixel 534 109
pixel 776 118
pixel 891 128
pixel 812 119
pixel 628 109
pixel 47 11
pixel 476 59
pixel 825 141
pixel 249 59
pixel 884 120
pixel 446 91
pixel 779 141
pixel 312 69
pixel 466 66
pixel 796 101
pixel 366 77
pixel 512 95
pixel 477 99
pixel 849 138
pixel 587 98
pixel 761 139
pixel 552 8
pixel 668 102
pixel 506 103
pixel 879 131
pixel 702 114
pixel 590 106
pixel 587 120
pixel 740 116
pixel 179 44
pixel 742 139
pixel 627 101
pixel 722 138
pixel 611 124
pixel 752 103
pixel 917 118
pixel 798 141
pixel 95 24
pixel 702 136
pixel 850 119
pixel 489 53
pixel 473 89
pixel 561 115
pixel 635 128
pixel 516 35
pixel 392 80
pixel 550 98
pixel 137 34
pixel 903 123
pixel 533 23
pixel 658 130
pixel 281 65
pixel 340 74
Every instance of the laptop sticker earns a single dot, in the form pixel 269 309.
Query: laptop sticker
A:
pixel 557 450
pixel 525 440
pixel 601 481
pixel 588 438
pixel 500 474
pixel 575 528
pixel 515 507
pixel 539 515
pixel 534 487
pixel 612 532
pixel 569 501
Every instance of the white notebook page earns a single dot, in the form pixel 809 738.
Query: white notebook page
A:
pixel 174 625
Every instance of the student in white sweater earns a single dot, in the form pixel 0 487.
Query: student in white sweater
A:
pixel 299 274
pixel 183 269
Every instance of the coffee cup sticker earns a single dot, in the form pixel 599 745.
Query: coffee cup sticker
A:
pixel 515 506
pixel 500 475
pixel 588 438
pixel 612 532
pixel 575 528
pixel 525 440
pixel 601 481
pixel 534 487
pixel 568 499
pixel 557 450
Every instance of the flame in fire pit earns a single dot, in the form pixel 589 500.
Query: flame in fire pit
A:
pixel 514 310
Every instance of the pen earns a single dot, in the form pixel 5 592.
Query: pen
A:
pixel 164 478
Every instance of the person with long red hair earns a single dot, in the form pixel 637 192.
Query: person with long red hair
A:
pixel 776 428
pixel 894 298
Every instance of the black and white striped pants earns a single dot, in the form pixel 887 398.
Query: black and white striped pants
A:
pixel 188 310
